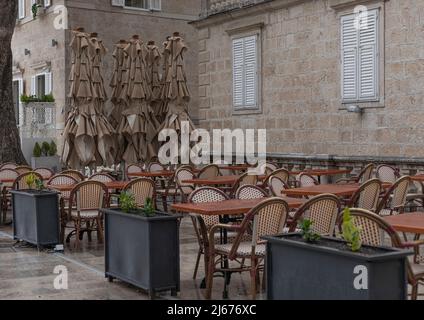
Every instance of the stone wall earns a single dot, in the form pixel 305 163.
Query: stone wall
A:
pixel 300 102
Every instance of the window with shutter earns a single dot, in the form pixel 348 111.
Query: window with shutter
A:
pixel 48 88
pixel 155 5
pixel 245 75
pixel 359 56
pixel 47 3
pixel 21 9
pixel 118 3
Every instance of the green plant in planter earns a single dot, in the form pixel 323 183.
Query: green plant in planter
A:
pixel 53 149
pixel 34 10
pixel 306 231
pixel 30 180
pixel 127 202
pixel 47 98
pixel 39 184
pixel 45 148
pixel 351 233
pixel 37 150
pixel 149 208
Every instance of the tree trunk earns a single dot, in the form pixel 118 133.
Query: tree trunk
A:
pixel 10 144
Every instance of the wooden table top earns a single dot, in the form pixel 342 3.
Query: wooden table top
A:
pixel 322 172
pixel 339 190
pixel 118 185
pixel 163 173
pixel 7 180
pixel 229 207
pixel 219 180
pixel 418 177
pixel 407 222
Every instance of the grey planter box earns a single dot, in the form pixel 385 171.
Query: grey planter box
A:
pixel 36 217
pixel 52 163
pixel 301 271
pixel 143 251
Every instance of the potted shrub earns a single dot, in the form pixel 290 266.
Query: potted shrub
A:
pixel 142 246
pixel 45 156
pixel 36 214
pixel 304 265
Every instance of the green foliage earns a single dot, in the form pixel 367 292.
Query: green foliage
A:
pixel 44 98
pixel 45 148
pixel 34 10
pixel 307 233
pixel 149 208
pixel 37 150
pixel 53 149
pixel 39 184
pixel 351 233
pixel 127 202
pixel 30 180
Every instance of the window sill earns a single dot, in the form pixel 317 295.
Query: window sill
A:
pixel 363 104
pixel 141 9
pixel 246 111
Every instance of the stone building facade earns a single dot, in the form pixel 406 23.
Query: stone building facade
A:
pixel 301 98
pixel 42 56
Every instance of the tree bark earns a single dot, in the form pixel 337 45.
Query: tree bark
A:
pixel 10 143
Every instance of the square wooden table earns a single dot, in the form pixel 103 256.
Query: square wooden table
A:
pixel 114 185
pixel 216 181
pixel 407 222
pixel 154 174
pixel 339 190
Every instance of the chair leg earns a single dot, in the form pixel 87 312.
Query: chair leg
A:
pixel 209 276
pixel 88 226
pixel 199 254
pixel 253 274
pixel 414 294
pixel 164 203
pixel 77 234
pixel 99 230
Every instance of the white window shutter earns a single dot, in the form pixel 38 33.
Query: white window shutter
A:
pixel 368 57
pixel 118 3
pixel 21 9
pixel 349 41
pixel 48 83
pixel 250 71
pixel 238 71
pixel 33 85
pixel 155 5
pixel 47 3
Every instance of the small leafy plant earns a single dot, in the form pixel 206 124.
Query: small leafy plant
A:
pixel 33 98
pixel 45 148
pixel 39 184
pixel 53 149
pixel 127 202
pixel 34 9
pixel 37 150
pixel 149 208
pixel 30 180
pixel 307 232
pixel 351 233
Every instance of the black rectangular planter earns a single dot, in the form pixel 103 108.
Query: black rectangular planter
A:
pixel 36 217
pixel 143 251
pixel 297 270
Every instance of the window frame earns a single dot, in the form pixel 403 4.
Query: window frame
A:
pixel 242 33
pixel 150 7
pixel 21 5
pixel 379 101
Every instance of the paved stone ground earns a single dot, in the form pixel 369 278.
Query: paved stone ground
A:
pixel 26 273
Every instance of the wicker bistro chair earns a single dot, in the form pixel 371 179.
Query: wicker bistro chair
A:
pixel 276 185
pixel 60 180
pixel 155 166
pixel 268 218
pixel 142 188
pixel 394 200
pixel 86 200
pixel 244 179
pixel 248 191
pixel 8 165
pixel 210 171
pixel 74 173
pixel 7 174
pixel 23 169
pixel 46 173
pixel 306 180
pixel 101 177
pixel 367 196
pixel 134 168
pixel 415 196
pixel 282 173
pixel 387 173
pixel 364 175
pixel 185 189
pixel 20 182
pixel 202 195
pixel 322 210
pixel 373 230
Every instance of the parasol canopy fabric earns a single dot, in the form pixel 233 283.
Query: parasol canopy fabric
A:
pixel 88 136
